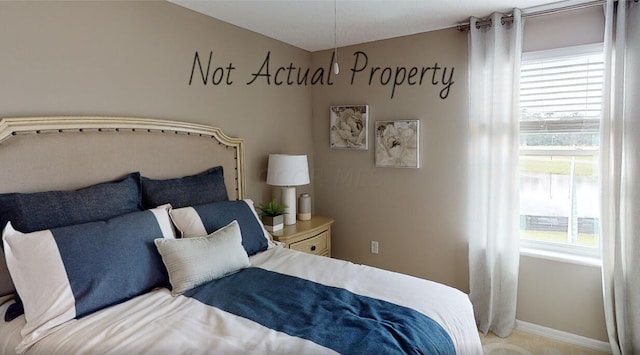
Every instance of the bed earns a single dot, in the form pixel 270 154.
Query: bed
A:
pixel 133 235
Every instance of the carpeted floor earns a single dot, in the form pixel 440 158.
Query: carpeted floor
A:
pixel 528 344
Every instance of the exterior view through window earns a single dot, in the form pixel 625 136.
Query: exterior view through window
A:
pixel 560 113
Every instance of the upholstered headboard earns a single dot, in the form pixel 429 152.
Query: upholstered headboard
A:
pixel 45 153
pixel 63 153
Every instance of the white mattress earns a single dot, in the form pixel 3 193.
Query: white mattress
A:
pixel 157 323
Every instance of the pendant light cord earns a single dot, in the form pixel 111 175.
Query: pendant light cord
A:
pixel 336 67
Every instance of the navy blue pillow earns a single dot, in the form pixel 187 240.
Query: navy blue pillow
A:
pixel 217 215
pixel 186 191
pixel 53 209
pixel 114 260
pixel 214 216
pixel 103 262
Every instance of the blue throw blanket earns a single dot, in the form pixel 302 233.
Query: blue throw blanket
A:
pixel 332 317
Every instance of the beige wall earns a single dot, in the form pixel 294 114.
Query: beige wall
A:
pixel 564 29
pixel 561 296
pixel 418 216
pixel 555 294
pixel 134 59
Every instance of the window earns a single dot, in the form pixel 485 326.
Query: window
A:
pixel 560 111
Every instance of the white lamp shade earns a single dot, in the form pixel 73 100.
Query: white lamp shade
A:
pixel 287 170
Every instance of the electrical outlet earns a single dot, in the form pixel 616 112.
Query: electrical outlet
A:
pixel 374 247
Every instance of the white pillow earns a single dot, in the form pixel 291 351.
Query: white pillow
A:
pixel 192 262
pixel 200 220
pixel 70 272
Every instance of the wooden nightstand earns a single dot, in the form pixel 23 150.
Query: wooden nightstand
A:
pixel 312 236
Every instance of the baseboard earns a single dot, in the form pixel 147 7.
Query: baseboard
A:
pixel 559 335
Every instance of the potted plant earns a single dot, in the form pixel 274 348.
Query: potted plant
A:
pixel 272 215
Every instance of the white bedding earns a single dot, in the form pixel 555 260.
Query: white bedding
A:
pixel 157 323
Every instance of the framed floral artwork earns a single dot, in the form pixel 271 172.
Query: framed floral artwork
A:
pixel 349 126
pixel 398 144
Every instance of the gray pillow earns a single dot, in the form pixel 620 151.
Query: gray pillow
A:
pixel 191 262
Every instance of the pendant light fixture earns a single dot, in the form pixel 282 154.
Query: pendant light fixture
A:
pixel 336 67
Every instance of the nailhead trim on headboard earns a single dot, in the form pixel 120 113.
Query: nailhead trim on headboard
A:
pixel 10 127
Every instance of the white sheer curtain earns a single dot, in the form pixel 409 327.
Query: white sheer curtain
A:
pixel 493 232
pixel 620 169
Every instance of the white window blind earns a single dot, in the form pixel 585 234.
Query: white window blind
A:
pixel 561 90
pixel 560 111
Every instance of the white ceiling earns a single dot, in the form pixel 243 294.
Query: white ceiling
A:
pixel 309 24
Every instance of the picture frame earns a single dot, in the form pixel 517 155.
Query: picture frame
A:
pixel 397 144
pixel 349 126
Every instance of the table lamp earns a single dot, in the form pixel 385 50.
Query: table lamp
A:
pixel 288 171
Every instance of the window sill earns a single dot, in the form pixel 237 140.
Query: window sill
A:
pixel 561 257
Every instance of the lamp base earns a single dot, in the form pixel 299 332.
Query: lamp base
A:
pixel 289 202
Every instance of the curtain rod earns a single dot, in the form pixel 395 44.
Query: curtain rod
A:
pixel 509 18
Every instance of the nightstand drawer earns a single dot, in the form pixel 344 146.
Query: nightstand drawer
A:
pixel 311 236
pixel 315 245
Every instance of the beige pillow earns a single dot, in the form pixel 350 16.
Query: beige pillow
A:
pixel 192 262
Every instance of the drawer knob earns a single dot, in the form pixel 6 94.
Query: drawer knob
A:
pixel 313 248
